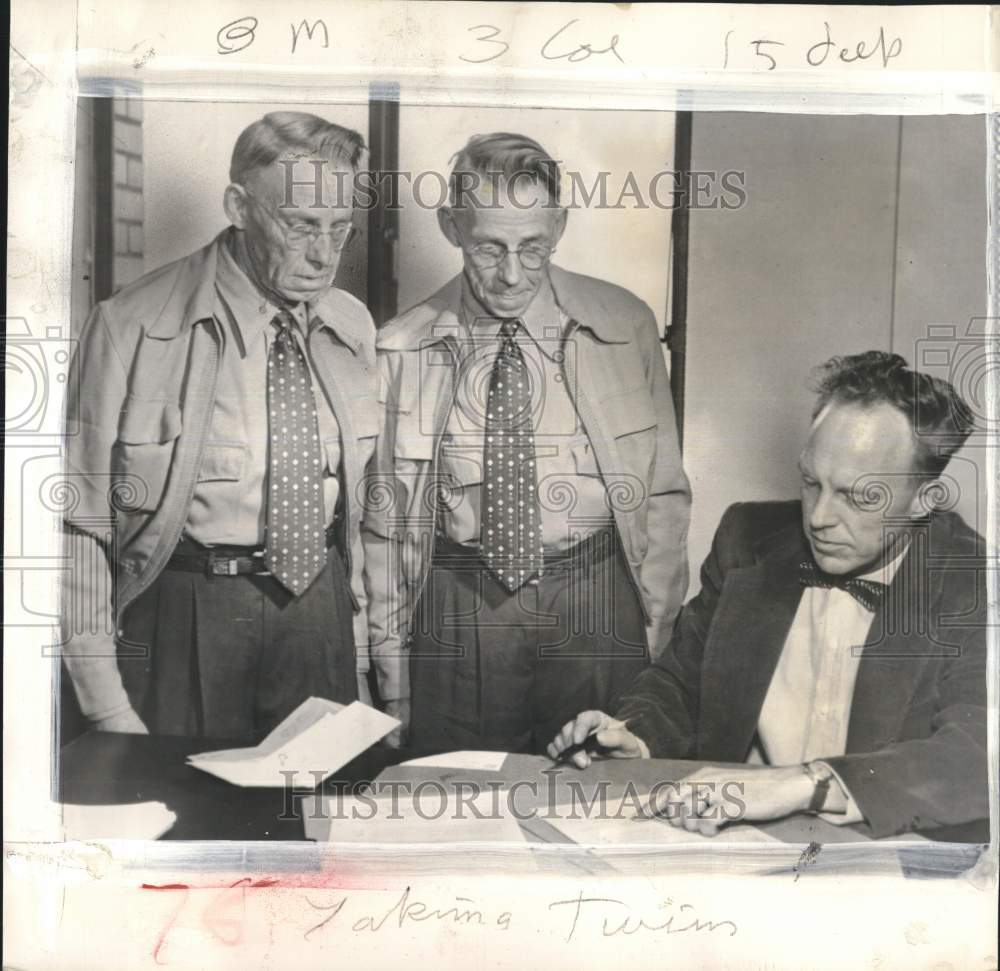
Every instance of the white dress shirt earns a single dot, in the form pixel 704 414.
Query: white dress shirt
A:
pixel 807 709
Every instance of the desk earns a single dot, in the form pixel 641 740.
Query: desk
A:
pixel 109 768
pixel 103 767
pixel 544 784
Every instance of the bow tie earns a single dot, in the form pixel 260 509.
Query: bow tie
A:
pixel 869 593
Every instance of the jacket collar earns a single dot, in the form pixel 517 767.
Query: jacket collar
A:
pixel 583 300
pixel 193 299
pixel 439 316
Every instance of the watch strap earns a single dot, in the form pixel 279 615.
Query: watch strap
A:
pixel 821 777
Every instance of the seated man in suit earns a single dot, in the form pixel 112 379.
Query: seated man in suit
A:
pixel 838 645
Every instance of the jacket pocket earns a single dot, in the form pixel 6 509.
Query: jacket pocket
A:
pixel 462 467
pixel 632 425
pixel 140 458
pixel 629 411
pixel 223 462
pixel 367 418
pixel 412 443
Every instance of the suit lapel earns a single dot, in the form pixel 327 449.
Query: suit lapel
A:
pixel 896 652
pixel 756 609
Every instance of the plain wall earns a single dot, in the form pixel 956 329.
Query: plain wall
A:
pixel 858 233
pixel 186 150
pixel 629 246
pixel 941 283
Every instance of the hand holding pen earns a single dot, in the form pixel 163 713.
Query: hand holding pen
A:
pixel 594 731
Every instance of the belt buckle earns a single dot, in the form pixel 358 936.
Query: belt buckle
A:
pixel 222 567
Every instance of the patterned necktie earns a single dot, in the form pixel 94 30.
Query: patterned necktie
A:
pixel 510 530
pixel 295 538
pixel 869 593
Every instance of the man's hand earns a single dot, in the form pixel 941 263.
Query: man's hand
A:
pixel 398 709
pixel 127 722
pixel 612 736
pixel 709 799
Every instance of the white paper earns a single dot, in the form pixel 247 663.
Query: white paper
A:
pixel 313 742
pixel 432 817
pixel 628 831
pixel 132 821
pixel 471 759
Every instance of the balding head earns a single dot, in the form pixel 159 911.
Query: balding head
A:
pixel 859 473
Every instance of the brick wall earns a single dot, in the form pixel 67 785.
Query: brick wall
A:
pixel 126 143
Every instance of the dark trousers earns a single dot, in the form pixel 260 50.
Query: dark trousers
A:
pixel 231 656
pixel 495 670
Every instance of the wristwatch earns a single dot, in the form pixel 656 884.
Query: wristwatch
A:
pixel 821 775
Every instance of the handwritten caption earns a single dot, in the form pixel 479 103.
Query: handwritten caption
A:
pixel 574 917
pixel 574 42
pixel 770 54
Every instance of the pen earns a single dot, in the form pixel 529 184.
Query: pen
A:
pixel 589 742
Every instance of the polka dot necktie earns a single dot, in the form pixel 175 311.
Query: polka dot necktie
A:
pixel 295 537
pixel 510 530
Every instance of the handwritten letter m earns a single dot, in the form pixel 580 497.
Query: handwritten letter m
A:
pixel 309 29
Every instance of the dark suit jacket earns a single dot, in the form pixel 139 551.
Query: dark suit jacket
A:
pixel 916 744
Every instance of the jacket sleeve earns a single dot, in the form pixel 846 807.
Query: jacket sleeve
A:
pixel 359 586
pixel 936 781
pixel 95 393
pixel 661 705
pixel 664 572
pixel 383 552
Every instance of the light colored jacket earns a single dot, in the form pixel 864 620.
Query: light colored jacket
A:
pixel 614 367
pixel 139 408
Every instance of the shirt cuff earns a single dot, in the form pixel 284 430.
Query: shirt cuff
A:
pixel 97 682
pixel 851 813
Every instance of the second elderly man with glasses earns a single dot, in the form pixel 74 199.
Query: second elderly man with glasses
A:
pixel 526 525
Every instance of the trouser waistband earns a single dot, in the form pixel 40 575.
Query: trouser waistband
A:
pixel 592 549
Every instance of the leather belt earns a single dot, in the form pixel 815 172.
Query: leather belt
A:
pixel 227 561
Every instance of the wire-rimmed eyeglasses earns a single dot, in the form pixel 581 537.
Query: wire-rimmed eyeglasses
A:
pixel 302 236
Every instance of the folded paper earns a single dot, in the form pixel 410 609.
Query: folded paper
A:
pixel 482 761
pixel 312 743
pixel 132 821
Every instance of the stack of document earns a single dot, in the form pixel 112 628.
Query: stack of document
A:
pixel 432 816
pixel 466 759
pixel 312 743
pixel 617 831
pixel 134 821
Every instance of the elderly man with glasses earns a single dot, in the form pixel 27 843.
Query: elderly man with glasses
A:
pixel 526 525
pixel 227 408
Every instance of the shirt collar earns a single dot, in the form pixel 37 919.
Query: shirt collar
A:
pixel 886 572
pixel 543 318
pixel 249 310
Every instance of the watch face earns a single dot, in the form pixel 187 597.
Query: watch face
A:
pixel 819 772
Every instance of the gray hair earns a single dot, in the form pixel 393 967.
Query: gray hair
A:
pixel 939 417
pixel 278 132
pixel 507 157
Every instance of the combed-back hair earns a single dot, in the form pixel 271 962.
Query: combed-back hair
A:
pixel 939 417
pixel 501 158
pixel 279 132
